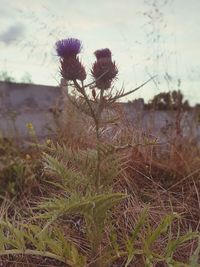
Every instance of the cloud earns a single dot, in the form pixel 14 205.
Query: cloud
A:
pixel 12 34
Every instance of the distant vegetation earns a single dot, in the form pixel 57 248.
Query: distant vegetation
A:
pixel 173 100
pixel 7 77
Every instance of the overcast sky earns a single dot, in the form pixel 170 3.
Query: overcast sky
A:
pixel 147 37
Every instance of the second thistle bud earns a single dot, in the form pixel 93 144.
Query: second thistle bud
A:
pixel 104 70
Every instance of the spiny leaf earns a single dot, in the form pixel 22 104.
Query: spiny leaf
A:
pixel 194 259
pixel 162 228
pixel 134 235
pixel 175 243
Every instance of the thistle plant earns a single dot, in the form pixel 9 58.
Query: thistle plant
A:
pixel 95 97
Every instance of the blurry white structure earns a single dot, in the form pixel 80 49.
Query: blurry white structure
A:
pixel 22 104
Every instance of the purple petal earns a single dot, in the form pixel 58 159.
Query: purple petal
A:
pixel 68 47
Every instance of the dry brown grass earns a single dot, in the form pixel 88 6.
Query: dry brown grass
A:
pixel 163 177
pixel 162 182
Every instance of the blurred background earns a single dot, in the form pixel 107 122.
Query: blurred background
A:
pixel 146 37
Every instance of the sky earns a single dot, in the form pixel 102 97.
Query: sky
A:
pixel 146 37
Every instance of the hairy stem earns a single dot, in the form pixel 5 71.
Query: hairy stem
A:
pixel 81 89
pixel 98 163
pixel 98 141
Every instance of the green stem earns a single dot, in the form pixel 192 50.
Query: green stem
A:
pixel 96 116
pixel 81 90
pixel 98 164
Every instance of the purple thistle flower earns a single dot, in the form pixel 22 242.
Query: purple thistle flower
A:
pixel 68 47
pixel 70 66
pixel 103 53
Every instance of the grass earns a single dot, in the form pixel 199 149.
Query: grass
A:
pixel 148 213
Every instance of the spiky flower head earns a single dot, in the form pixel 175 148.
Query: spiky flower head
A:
pixel 71 68
pixel 70 47
pixel 104 70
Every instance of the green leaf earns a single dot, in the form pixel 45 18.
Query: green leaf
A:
pixel 175 243
pixel 194 259
pixel 134 235
pixel 162 228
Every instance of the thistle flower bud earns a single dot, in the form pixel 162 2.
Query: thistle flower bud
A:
pixel 71 68
pixel 104 70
